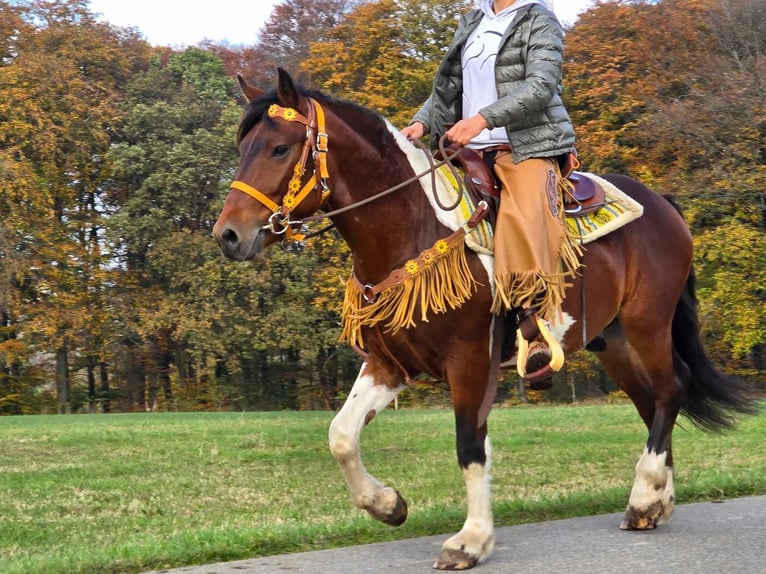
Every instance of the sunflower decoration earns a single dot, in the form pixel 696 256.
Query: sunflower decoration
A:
pixel 289 114
pixel 294 186
pixel 289 201
pixel 428 258
pixel 441 246
pixel 273 110
pixel 411 267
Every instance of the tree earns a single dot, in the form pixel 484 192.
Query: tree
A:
pixel 60 83
pixel 672 91
pixel 287 35
pixel 384 54
pixel 172 156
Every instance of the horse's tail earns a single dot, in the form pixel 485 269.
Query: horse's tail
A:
pixel 711 399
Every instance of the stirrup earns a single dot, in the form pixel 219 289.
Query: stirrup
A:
pixel 557 353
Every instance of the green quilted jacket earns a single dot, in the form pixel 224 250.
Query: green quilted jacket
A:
pixel 528 78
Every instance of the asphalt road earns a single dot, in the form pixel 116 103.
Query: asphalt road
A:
pixel 704 538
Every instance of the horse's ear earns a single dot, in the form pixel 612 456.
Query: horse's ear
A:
pixel 250 92
pixel 286 91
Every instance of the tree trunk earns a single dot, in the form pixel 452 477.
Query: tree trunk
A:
pixel 91 384
pixel 62 380
pixel 167 391
pixel 106 406
pixel 571 378
pixel 5 322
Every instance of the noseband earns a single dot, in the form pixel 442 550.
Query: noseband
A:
pixel 316 142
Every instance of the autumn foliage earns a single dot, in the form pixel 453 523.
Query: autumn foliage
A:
pixel 115 157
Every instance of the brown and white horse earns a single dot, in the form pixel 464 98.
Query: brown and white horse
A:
pixel 301 152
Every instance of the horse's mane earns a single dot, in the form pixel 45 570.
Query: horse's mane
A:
pixel 366 123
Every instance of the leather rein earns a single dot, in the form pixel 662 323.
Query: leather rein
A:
pixel 316 143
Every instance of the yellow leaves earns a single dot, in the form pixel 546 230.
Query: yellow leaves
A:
pixel 13 351
pixel 383 54
pixel 732 278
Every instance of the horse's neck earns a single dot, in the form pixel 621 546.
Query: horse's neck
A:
pixel 387 232
pixel 384 234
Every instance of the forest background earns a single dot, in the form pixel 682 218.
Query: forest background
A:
pixel 115 157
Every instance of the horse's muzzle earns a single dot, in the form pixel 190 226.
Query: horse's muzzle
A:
pixel 238 247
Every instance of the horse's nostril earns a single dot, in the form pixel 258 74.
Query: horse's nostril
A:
pixel 229 236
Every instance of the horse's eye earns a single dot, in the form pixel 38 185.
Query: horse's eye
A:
pixel 280 151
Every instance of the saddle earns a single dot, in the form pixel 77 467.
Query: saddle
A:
pixel 478 177
pixel 583 197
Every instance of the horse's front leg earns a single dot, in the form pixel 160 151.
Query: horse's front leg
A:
pixel 366 399
pixel 476 540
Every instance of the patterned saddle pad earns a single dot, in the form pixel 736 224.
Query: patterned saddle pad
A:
pixel 618 210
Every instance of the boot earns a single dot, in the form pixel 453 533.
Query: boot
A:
pixel 540 362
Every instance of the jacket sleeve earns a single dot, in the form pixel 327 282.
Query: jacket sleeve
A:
pixel 424 115
pixel 544 60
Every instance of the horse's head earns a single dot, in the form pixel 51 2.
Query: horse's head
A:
pixel 281 143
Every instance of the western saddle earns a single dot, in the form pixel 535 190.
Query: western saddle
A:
pixel 584 195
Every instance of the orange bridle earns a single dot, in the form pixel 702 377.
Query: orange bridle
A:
pixel 316 143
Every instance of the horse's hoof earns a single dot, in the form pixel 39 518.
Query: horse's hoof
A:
pixel 643 519
pixel 450 559
pixel 396 516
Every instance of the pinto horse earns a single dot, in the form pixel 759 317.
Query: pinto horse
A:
pixel 302 152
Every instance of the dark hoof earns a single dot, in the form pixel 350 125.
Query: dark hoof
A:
pixel 455 560
pixel 396 517
pixel 643 519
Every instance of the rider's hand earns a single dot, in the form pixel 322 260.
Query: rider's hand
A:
pixel 413 131
pixel 465 130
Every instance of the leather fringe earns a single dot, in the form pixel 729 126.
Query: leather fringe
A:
pixel 535 289
pixel 445 284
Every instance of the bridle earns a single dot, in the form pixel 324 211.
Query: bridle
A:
pixel 317 143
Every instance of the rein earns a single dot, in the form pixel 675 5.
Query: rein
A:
pixel 433 166
pixel 280 223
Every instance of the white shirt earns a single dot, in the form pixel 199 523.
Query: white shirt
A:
pixel 479 54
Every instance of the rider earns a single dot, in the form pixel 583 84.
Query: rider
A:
pixel 499 88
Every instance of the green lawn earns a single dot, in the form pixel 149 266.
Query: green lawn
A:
pixel 129 493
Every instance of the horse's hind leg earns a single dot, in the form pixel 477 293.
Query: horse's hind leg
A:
pixel 646 375
pixel 365 400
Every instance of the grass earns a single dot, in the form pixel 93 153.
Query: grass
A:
pixel 129 493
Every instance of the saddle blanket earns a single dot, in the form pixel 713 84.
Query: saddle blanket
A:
pixel 619 209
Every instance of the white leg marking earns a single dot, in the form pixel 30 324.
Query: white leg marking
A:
pixel 365 400
pixel 653 483
pixel 668 496
pixel 477 537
